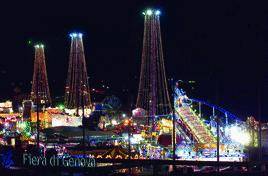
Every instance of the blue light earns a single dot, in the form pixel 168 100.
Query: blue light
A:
pixel 74 34
pixel 80 35
pixel 157 12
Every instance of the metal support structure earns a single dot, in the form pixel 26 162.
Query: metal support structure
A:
pixel 226 119
pixel 129 145
pixel 83 125
pixel 174 135
pixel 37 114
pixel 259 126
pixel 200 109
pixel 218 143
pixel 173 121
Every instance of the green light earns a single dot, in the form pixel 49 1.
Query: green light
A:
pixel 149 12
pixel 22 125
pixel 29 42
pixel 61 107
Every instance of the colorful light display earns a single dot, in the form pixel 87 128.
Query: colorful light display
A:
pixel 240 135
pixel 194 138
pixel 24 127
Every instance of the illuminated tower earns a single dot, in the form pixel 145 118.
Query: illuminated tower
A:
pixel 153 93
pixel 77 92
pixel 40 83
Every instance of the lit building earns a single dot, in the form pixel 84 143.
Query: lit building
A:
pixel 6 107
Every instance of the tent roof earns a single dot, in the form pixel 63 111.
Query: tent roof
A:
pixel 116 151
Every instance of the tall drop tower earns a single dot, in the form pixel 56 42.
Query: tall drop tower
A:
pixel 77 92
pixel 40 82
pixel 153 93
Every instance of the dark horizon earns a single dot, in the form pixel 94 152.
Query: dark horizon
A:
pixel 221 46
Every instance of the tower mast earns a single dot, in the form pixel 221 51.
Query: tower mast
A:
pixel 153 93
pixel 40 89
pixel 77 92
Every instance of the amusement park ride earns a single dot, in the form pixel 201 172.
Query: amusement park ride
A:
pixel 233 134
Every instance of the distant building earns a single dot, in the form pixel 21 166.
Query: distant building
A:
pixel 6 107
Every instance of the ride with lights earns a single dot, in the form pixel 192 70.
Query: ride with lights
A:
pixel 190 119
pixel 235 135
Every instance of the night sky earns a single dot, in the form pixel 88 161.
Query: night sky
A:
pixel 223 46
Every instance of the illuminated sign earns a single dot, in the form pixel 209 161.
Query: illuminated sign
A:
pixel 65 120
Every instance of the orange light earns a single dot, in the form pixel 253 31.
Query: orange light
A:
pixel 126 122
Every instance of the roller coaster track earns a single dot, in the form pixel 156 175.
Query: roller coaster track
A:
pixel 194 125
pixel 191 123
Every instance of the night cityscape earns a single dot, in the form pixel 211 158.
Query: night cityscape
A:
pixel 134 88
